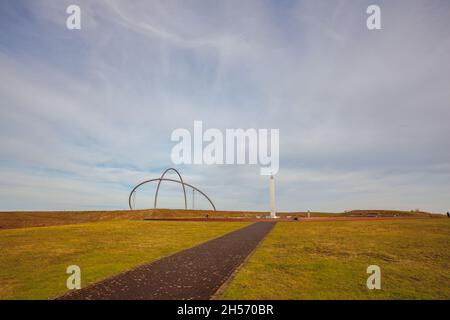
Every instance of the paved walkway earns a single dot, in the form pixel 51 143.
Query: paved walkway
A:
pixel 195 273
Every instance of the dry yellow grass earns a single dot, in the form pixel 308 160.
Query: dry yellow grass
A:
pixel 328 260
pixel 34 260
pixel 25 219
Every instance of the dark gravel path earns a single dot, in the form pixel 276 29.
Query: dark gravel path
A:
pixel 195 273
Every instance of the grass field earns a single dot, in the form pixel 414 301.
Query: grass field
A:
pixel 12 220
pixel 33 261
pixel 176 213
pixel 328 260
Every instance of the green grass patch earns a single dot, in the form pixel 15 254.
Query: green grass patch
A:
pixel 33 261
pixel 328 260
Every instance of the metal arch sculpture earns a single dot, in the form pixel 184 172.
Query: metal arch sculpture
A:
pixel 171 180
pixel 159 184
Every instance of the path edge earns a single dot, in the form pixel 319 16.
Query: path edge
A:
pixel 220 291
pixel 67 293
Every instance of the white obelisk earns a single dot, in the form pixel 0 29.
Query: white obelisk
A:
pixel 272 197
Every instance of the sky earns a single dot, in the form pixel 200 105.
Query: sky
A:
pixel 363 114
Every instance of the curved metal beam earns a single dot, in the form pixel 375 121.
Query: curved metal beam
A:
pixel 171 180
pixel 159 184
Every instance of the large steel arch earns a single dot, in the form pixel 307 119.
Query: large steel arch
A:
pixel 170 180
pixel 159 184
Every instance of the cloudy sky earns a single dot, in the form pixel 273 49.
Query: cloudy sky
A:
pixel 364 116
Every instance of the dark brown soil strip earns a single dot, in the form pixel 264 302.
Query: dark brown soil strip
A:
pixel 195 273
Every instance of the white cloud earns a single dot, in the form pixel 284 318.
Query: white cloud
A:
pixel 362 115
